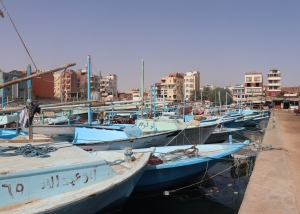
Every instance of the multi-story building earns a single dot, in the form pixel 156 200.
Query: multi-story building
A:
pixel 57 86
pixel 42 87
pixel 253 84
pixel 44 82
pixel 70 85
pixel 174 86
pixel 18 90
pixel 155 91
pixel 192 83
pixel 108 85
pixel 274 82
pixel 291 90
pixel 238 93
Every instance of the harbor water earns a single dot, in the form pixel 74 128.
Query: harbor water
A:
pixel 220 190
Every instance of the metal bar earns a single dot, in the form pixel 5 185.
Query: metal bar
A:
pixel 43 118
pixel 54 105
pixel 89 89
pixel 3 94
pixel 142 90
pixel 29 83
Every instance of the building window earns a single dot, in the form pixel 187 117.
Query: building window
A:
pixel 248 79
pixel 21 89
pixel 6 78
pixel 256 79
pixel 248 84
pixel 7 89
pixel 257 84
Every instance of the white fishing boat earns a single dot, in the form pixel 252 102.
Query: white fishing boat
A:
pixel 192 131
pixel 71 180
pixel 120 136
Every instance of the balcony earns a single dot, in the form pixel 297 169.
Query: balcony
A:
pixel 274 75
pixel 274 84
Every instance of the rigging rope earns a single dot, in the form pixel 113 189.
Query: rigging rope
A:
pixel 19 35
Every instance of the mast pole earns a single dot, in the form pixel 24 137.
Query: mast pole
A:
pixel 142 90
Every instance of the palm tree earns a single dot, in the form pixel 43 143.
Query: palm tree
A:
pixel 205 93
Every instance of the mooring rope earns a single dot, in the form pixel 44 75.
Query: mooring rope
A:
pixel 28 151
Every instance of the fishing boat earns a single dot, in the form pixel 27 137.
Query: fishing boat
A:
pixel 8 120
pixel 120 136
pixel 221 134
pixel 192 131
pixel 256 119
pixel 10 133
pixel 71 180
pixel 174 165
pixel 238 123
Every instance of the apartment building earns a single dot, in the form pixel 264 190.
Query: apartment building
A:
pixel 70 85
pixel 57 86
pixel 155 92
pixel 238 93
pixel 18 90
pixel 108 85
pixel 253 84
pixel 174 84
pixel 274 82
pixel 42 86
pixel 192 83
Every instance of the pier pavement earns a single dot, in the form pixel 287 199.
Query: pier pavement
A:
pixel 274 186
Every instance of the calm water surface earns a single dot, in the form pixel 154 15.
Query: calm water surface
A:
pixel 220 194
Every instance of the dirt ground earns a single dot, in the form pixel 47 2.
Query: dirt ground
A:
pixel 274 186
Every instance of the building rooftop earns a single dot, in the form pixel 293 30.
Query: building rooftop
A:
pixel 250 73
pixel 178 75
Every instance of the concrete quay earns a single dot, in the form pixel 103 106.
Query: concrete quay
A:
pixel 274 186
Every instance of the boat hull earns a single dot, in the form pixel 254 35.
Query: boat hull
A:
pixel 52 130
pixel 176 172
pixel 164 178
pixel 193 135
pixel 70 181
pixel 155 140
pixel 220 135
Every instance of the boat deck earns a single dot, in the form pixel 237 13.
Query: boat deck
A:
pixel 112 156
pixel 274 185
pixel 66 155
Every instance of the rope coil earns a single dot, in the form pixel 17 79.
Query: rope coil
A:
pixel 28 151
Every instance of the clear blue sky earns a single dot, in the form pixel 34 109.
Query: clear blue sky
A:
pixel 223 39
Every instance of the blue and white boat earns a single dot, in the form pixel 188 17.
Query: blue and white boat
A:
pixel 120 136
pixel 238 123
pixel 192 131
pixel 221 134
pixel 10 133
pixel 69 181
pixel 256 119
pixel 182 162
